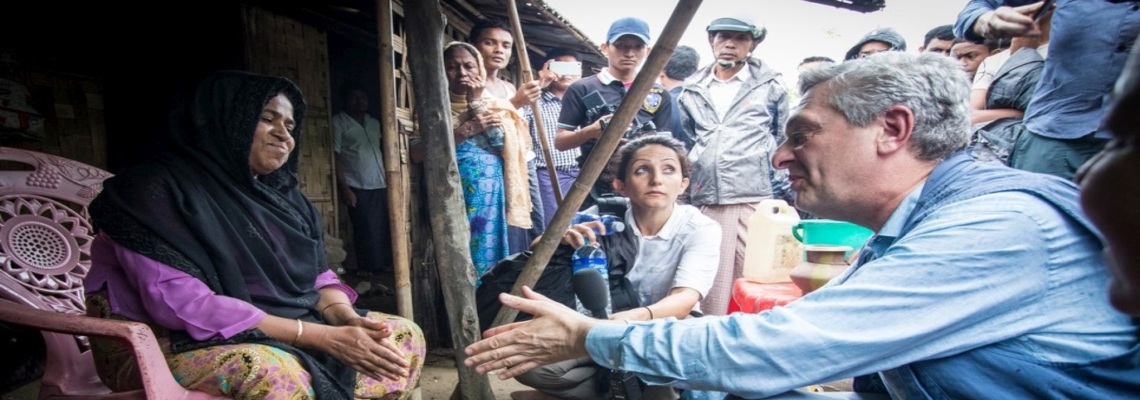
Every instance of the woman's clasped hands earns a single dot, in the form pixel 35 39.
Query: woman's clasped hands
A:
pixel 363 343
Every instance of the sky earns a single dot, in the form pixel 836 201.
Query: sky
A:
pixel 796 28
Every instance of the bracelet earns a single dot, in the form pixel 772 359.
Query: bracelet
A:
pixel 333 304
pixel 300 330
pixel 650 311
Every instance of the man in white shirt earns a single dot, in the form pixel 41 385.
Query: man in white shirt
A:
pixel 360 181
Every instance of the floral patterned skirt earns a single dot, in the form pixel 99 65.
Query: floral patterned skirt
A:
pixel 249 371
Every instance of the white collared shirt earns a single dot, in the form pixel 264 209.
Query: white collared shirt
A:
pixel 606 77
pixel 724 91
pixel 684 253
pixel 359 149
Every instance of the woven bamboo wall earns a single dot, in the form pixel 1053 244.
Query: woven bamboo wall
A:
pixel 74 124
pixel 279 45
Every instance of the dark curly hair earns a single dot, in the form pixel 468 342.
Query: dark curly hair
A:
pixel 485 25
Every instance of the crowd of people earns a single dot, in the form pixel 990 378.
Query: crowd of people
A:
pixel 991 273
pixel 985 278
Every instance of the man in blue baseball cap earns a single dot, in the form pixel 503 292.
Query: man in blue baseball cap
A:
pixel 588 104
pixel 733 111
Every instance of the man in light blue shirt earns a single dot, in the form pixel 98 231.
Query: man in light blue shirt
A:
pixel 981 281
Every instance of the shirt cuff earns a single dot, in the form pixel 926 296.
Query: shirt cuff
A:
pixel 255 315
pixel 603 343
pixel 329 279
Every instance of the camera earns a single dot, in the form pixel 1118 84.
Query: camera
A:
pixel 648 126
pixel 624 385
pixel 612 204
pixel 635 130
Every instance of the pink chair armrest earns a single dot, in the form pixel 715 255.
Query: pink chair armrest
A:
pixel 157 379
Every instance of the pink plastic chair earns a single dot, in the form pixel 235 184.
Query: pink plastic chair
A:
pixel 45 241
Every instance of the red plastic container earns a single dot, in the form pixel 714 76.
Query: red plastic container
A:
pixel 751 297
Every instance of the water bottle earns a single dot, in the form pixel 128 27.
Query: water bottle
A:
pixel 612 223
pixel 590 256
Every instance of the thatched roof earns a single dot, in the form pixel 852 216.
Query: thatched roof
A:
pixel 542 25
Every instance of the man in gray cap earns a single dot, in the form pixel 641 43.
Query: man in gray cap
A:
pixel 733 112
pixel 876 41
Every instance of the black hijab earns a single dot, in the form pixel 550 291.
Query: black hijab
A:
pixel 199 209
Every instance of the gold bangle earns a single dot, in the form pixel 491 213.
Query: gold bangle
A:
pixel 300 330
pixel 650 311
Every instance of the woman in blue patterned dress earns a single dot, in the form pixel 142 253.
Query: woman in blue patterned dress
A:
pixel 489 151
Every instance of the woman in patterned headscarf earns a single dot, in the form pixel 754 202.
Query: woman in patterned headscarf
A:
pixel 215 247
pixel 494 176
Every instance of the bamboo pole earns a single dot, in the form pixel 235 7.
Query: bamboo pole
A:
pixel 394 162
pixel 524 64
pixel 600 156
pixel 450 230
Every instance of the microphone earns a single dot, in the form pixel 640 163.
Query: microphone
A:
pixel 592 291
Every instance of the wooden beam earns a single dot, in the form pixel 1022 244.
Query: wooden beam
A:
pixel 394 163
pixel 503 12
pixel 540 128
pixel 470 8
pixel 602 152
pixel 449 227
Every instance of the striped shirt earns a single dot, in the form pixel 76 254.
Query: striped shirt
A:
pixel 550 106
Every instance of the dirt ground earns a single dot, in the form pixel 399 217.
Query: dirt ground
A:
pixel 440 375
pixel 440 378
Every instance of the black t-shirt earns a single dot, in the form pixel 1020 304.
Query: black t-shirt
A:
pixel 582 102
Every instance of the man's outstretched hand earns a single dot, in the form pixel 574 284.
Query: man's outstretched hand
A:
pixel 556 333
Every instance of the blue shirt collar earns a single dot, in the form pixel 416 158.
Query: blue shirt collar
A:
pixel 890 231
pixel 898 218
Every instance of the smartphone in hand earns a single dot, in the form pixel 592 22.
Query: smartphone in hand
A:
pixel 566 67
pixel 1048 4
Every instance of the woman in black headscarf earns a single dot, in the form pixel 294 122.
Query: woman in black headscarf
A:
pixel 215 247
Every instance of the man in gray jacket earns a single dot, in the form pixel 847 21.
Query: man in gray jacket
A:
pixel 734 112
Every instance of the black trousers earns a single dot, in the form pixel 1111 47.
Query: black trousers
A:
pixel 371 234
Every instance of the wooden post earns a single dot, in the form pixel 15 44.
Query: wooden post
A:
pixel 524 64
pixel 449 227
pixel 394 162
pixel 602 152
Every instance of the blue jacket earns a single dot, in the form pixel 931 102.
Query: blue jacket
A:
pixel 969 375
